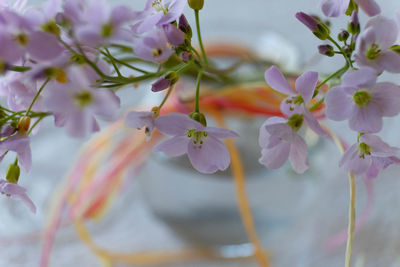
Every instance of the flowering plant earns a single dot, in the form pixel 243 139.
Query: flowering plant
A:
pixel 67 59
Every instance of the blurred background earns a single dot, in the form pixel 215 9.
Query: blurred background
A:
pixel 169 206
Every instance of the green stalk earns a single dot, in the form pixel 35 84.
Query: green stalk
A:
pixel 196 13
pixel 36 96
pixel 197 107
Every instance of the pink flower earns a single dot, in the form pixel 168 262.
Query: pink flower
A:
pixel 295 102
pixel 153 46
pixel 76 103
pixel 369 156
pixel 139 119
pixel 21 145
pixel 206 152
pixel 18 192
pixel 279 142
pixel 373 45
pixel 158 13
pixel 363 101
pixel 335 8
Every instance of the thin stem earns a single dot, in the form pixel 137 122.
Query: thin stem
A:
pixel 19 68
pixel 126 64
pixel 36 96
pixel 195 52
pixel 113 62
pixel 352 219
pixel 196 13
pixel 34 125
pixel 316 105
pixel 332 76
pixel 199 75
pixel 341 50
pixel 166 97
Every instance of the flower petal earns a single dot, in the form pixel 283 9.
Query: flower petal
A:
pixel 366 119
pixel 213 156
pixel 379 148
pixel 298 154
pixel 387 96
pixel 173 147
pixel 220 132
pixel 370 7
pixel 275 79
pixel 390 61
pixel 275 157
pixel 352 162
pixel 313 123
pixel 338 104
pixel 364 77
pixel 334 8
pixel 176 124
pixel 305 85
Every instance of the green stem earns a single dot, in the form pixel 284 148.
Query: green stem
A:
pixel 36 96
pixel 34 125
pixel 166 97
pixel 196 13
pixel 125 63
pixel 113 62
pixel 199 75
pixel 341 50
pixel 339 71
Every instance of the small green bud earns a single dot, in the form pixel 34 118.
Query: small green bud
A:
pixel 352 7
pixel 343 35
pixel 13 172
pixel 326 50
pixel 196 4
pixel 51 27
pixel 199 117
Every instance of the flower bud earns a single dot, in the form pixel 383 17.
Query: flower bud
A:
pixel 23 124
pixel 186 56
pixel 12 173
pixel 196 4
pixel 163 83
pixel 318 28
pixel 174 35
pixel 199 117
pixel 326 50
pixel 343 35
pixel 185 27
pixel 354 25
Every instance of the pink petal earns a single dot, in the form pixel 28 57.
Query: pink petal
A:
pixel 313 123
pixel 370 7
pixel 364 77
pixel 176 124
pixel 173 147
pixel 275 79
pixel 136 119
pixel 298 154
pixel 387 96
pixel 276 156
pixel 385 31
pixel 213 156
pixel 44 46
pixel 379 148
pixel 334 8
pixel 305 85
pixel 390 61
pixel 338 104
pixel 220 132
pixel 366 119
pixel 351 161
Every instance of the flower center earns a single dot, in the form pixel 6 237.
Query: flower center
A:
pixel 295 121
pixel 22 38
pixel 51 27
pixel 364 150
pixel 373 52
pixel 294 101
pixel 159 7
pixel 361 98
pixel 107 30
pixel 83 99
pixel 157 52
pixel 197 137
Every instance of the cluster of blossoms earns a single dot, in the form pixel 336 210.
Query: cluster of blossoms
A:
pixel 64 60
pixel 356 95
